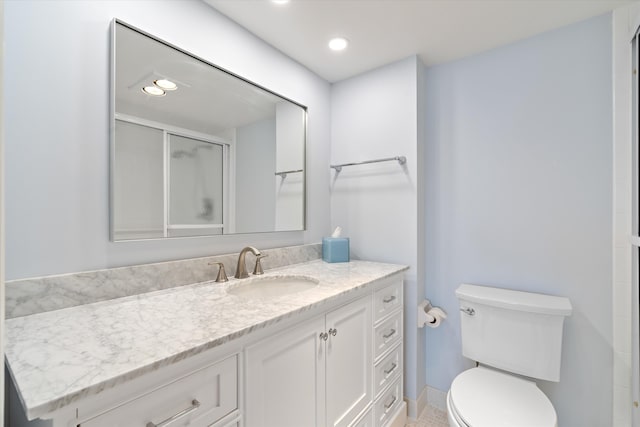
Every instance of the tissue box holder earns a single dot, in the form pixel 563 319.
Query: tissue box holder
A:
pixel 335 249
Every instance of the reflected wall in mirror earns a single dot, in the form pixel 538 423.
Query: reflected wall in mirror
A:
pixel 196 150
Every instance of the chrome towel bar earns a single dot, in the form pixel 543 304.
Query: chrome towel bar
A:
pixel 400 159
pixel 284 174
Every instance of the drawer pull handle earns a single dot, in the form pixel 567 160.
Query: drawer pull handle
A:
pixel 333 332
pixel 391 369
pixel 324 336
pixel 468 311
pixel 194 405
pixel 388 299
pixel 388 406
pixel 389 334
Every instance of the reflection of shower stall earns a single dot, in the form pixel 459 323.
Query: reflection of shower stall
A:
pixel 201 189
pixel 168 183
pixel 195 187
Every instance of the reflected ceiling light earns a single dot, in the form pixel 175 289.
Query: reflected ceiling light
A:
pixel 165 84
pixel 338 43
pixel 153 91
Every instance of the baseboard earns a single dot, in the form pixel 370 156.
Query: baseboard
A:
pixel 415 407
pixel 437 398
pixel 399 419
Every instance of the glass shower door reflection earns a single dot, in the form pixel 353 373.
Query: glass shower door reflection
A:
pixel 196 181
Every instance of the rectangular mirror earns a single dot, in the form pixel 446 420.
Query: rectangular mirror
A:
pixel 197 150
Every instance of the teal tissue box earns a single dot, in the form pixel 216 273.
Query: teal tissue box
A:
pixel 335 249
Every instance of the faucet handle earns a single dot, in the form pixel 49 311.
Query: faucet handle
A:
pixel 257 270
pixel 222 275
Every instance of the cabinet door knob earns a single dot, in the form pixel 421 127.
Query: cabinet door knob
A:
pixel 333 332
pixel 324 336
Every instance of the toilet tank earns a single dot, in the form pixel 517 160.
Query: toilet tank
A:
pixel 519 332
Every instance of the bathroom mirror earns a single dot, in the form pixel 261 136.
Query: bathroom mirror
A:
pixel 197 150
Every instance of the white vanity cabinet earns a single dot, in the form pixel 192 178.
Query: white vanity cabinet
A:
pixel 342 369
pixel 315 374
pixel 335 361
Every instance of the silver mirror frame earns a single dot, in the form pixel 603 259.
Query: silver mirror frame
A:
pixel 112 122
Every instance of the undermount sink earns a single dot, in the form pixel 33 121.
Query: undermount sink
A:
pixel 272 286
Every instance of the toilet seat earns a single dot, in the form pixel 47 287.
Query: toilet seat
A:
pixel 484 397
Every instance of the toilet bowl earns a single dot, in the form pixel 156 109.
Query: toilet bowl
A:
pixel 515 337
pixel 484 397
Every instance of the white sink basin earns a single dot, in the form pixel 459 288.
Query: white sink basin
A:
pixel 273 286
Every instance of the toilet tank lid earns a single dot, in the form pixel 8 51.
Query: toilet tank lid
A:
pixel 514 300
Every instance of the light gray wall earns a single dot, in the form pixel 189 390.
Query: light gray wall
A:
pixel 57 134
pixel 374 115
pixel 289 190
pixel 256 163
pixel 519 195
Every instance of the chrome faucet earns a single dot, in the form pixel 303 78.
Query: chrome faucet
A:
pixel 241 268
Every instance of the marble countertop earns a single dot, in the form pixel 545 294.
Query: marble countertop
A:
pixel 59 357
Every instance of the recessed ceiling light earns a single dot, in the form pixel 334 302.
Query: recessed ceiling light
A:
pixel 338 43
pixel 153 91
pixel 165 84
pixel 280 2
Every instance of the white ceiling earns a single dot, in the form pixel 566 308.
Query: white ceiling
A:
pixel 383 31
pixel 207 100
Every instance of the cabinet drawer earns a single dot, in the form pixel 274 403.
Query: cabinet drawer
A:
pixel 230 420
pixel 386 300
pixel 222 424
pixel 199 399
pixel 387 404
pixel 387 370
pixel 388 333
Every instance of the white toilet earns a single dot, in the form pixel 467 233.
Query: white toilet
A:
pixel 512 335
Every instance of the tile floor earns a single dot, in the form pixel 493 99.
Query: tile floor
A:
pixel 430 417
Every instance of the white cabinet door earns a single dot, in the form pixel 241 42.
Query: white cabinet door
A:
pixel 314 375
pixel 349 362
pixel 365 421
pixel 285 379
